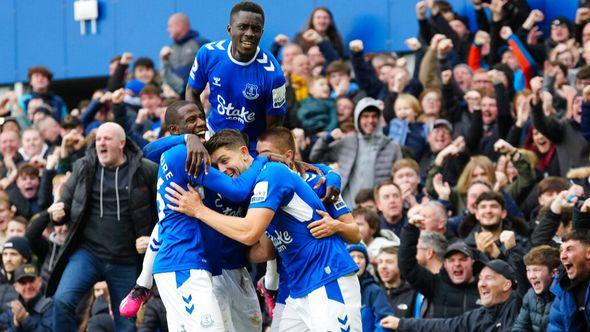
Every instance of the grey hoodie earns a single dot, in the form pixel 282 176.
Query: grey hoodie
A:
pixel 364 160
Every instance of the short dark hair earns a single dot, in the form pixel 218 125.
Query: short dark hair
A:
pixel 28 169
pixel 230 138
pixel 388 250
pixel 150 89
pixel 364 195
pixel 246 6
pixel 543 255
pixel 552 183
pixel 582 235
pixel 491 196
pixel 143 62
pixel 40 70
pixel 281 137
pixel 371 217
pixel 20 220
pixel 338 66
pixel 171 117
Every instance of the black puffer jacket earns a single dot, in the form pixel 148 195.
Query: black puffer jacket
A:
pixel 498 318
pixel 445 298
pixel 402 299
pixel 76 191
pixel 534 314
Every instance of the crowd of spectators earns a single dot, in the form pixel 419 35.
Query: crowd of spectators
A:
pixel 468 172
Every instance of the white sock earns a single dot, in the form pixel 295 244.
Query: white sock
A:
pixel 271 278
pixel 146 279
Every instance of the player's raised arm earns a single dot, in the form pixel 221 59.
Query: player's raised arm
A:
pixel 247 230
pixel 237 189
pixel 193 95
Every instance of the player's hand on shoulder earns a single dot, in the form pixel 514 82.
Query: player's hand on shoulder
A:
pixel 332 195
pixel 327 226
pixel 304 167
pixel 196 156
pixel 184 201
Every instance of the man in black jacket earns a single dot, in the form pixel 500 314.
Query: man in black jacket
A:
pixel 453 290
pixel 400 293
pixel 31 311
pixel 500 301
pixel 109 205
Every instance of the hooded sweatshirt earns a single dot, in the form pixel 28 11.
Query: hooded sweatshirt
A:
pixel 368 148
pixel 109 231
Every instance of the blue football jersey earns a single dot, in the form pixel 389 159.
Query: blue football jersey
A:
pixel 309 262
pixel 225 253
pixel 183 246
pixel 334 209
pixel 220 193
pixel 242 93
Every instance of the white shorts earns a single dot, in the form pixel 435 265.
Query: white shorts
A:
pixel 238 301
pixel 334 307
pixel 189 300
pixel 276 317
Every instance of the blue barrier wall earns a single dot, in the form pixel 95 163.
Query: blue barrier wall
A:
pixel 44 31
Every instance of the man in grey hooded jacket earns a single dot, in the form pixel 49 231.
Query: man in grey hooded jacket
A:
pixel 364 157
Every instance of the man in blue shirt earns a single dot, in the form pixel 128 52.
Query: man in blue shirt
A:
pixel 324 291
pixel 183 267
pixel 280 141
pixel 195 246
pixel 247 84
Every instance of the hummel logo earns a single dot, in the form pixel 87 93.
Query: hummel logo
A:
pixel 264 61
pixel 216 81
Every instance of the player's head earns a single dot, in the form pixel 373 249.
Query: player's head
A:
pixel 246 24
pixel 277 140
pixel 229 151
pixel 184 117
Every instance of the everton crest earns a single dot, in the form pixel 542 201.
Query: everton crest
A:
pixel 251 91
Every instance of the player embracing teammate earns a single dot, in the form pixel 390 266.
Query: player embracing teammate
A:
pixel 202 284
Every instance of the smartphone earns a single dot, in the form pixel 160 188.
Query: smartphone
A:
pixel 570 198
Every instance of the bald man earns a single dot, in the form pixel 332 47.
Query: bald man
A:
pixel 178 58
pixel 109 204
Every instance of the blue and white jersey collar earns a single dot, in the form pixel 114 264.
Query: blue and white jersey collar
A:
pixel 239 62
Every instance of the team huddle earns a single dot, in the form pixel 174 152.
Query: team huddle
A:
pixel 256 205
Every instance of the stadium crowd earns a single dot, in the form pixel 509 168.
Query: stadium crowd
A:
pixel 467 173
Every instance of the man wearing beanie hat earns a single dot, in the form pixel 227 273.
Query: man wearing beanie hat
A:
pixel 368 146
pixel 375 305
pixel 31 311
pixel 15 252
pixel 500 288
